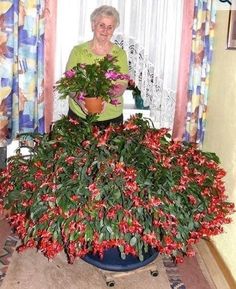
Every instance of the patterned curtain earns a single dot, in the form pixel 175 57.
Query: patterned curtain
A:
pixel 200 63
pixel 22 68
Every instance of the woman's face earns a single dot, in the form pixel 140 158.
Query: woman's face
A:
pixel 103 28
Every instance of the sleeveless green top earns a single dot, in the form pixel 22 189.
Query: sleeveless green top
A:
pixel 83 54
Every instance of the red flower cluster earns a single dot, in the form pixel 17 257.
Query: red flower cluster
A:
pixel 130 186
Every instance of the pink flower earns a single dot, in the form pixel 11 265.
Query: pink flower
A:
pixel 115 101
pixel 110 74
pixel 80 96
pixel 110 57
pixel 82 65
pixel 70 73
pixel 123 76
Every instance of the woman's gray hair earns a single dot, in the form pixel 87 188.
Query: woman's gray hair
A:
pixel 105 10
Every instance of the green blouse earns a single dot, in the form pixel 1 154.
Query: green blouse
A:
pixel 83 54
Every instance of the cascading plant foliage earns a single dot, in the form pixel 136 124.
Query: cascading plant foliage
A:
pixel 84 190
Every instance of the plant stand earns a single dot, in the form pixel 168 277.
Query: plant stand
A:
pixel 110 276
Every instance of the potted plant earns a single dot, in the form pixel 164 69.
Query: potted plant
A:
pixel 84 190
pixel 96 81
pixel 136 92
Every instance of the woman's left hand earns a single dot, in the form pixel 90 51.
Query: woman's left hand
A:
pixel 118 89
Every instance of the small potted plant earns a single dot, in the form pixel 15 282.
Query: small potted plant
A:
pixel 96 81
pixel 136 92
pixel 84 191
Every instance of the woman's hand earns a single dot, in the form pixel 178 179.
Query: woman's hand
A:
pixel 118 89
pixel 81 104
pixel 79 99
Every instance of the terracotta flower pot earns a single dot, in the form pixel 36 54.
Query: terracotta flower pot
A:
pixel 93 104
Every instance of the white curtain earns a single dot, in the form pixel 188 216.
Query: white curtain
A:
pixel 150 32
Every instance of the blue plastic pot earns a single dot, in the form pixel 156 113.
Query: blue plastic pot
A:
pixel 112 260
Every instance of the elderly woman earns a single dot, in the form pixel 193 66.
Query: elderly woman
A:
pixel 104 21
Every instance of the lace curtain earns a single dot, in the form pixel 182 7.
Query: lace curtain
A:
pixel 150 32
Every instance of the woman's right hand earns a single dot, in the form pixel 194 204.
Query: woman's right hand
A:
pixel 81 104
